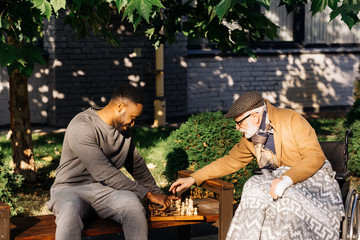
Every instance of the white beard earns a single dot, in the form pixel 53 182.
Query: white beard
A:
pixel 251 131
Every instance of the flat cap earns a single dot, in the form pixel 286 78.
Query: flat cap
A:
pixel 246 102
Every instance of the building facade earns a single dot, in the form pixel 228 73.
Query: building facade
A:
pixel 317 76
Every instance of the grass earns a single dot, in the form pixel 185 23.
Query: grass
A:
pixel 327 129
pixel 47 150
pixel 150 143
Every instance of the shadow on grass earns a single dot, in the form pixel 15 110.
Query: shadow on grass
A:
pixel 148 137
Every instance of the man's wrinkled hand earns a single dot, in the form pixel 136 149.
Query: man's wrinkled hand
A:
pixel 279 185
pixel 181 183
pixel 161 199
pixel 273 188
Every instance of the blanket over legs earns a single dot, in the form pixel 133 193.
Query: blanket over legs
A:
pixel 311 209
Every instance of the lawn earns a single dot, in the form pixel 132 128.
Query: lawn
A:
pixel 150 143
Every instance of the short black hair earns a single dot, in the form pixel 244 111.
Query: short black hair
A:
pixel 129 92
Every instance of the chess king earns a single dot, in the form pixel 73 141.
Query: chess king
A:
pixel 297 196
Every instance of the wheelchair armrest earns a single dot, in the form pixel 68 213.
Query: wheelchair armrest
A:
pixel 343 175
pixel 257 171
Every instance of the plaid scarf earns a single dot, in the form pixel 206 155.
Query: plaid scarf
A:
pixel 263 140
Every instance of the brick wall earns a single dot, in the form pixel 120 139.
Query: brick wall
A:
pixel 38 95
pixel 84 73
pixel 304 81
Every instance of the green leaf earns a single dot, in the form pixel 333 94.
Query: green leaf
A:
pixel 211 13
pixel 348 14
pixel 44 7
pixel 150 32
pixel 264 3
pixel 58 4
pixel 350 19
pixel 8 54
pixel 143 9
pixel 32 54
pixel 336 12
pixel 318 6
pixel 28 70
pixel 4 23
pixel 333 3
pixel 120 4
pixel 222 8
pixel 241 2
pixel 22 62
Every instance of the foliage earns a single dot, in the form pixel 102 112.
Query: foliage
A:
pixel 231 25
pixel 354 147
pixel 357 86
pixel 353 114
pixel 202 139
pixel 348 10
pixel 151 144
pixel 327 129
pixel 9 185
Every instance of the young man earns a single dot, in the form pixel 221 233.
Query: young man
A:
pixel 297 196
pixel 96 144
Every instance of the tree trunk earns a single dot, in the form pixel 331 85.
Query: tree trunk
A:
pixel 21 141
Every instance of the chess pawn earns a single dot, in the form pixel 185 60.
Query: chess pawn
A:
pixel 195 212
pixel 188 212
pixel 182 213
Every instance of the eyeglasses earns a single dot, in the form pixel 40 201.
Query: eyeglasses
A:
pixel 240 122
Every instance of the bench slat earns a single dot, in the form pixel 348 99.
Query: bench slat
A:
pixel 43 227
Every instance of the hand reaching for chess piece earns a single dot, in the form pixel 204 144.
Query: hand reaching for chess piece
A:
pixel 161 199
pixel 181 183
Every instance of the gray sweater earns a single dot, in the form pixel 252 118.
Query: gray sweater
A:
pixel 93 151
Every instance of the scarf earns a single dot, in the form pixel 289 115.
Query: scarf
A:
pixel 263 141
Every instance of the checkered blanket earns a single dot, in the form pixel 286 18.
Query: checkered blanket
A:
pixel 311 209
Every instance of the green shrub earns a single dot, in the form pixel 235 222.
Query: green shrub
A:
pixel 353 114
pixel 202 139
pixel 354 147
pixel 9 184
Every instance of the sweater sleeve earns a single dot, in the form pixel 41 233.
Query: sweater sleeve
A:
pixel 86 148
pixel 309 148
pixel 239 156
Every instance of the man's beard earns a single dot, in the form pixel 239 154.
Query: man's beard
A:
pixel 252 130
pixel 119 125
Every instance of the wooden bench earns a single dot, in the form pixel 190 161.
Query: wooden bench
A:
pixel 218 212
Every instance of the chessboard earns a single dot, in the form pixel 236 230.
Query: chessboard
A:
pixel 178 211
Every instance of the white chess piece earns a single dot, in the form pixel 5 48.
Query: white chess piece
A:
pixel 182 213
pixel 195 212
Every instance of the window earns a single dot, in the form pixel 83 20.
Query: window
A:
pixel 303 28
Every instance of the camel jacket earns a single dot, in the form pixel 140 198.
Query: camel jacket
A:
pixel 296 146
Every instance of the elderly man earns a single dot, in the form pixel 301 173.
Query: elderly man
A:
pixel 297 196
pixel 96 145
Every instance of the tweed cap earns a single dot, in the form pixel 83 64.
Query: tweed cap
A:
pixel 246 102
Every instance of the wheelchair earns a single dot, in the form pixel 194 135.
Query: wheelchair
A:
pixel 337 154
